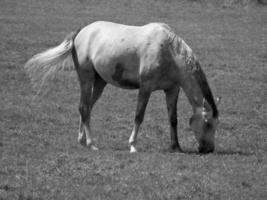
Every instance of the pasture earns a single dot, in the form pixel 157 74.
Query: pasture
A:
pixel 40 156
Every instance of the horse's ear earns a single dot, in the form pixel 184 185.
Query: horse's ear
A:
pixel 218 100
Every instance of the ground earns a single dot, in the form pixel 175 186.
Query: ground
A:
pixel 40 155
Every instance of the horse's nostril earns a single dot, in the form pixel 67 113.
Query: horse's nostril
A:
pixel 206 149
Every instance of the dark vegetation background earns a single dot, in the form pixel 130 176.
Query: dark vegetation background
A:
pixel 40 156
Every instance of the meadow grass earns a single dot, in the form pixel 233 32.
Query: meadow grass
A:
pixel 40 155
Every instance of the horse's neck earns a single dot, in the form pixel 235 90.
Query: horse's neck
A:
pixel 190 85
pixel 192 78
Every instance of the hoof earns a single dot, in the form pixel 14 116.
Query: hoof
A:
pixel 175 148
pixel 94 148
pixel 91 146
pixel 132 149
pixel 82 140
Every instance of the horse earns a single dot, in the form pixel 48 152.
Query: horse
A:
pixel 148 58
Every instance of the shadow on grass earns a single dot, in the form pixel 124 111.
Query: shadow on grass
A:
pixel 220 152
pixel 233 152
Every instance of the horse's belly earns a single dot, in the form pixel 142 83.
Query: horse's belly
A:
pixel 116 56
pixel 120 72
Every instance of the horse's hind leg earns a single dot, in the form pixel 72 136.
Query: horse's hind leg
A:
pixel 86 78
pixel 98 88
pixel 171 100
pixel 92 86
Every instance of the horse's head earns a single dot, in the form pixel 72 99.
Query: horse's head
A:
pixel 204 126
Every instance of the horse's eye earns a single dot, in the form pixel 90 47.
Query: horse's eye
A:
pixel 208 126
pixel 190 121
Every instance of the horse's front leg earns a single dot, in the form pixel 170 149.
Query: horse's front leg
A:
pixel 143 97
pixel 171 100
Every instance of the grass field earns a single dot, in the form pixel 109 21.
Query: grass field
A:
pixel 40 156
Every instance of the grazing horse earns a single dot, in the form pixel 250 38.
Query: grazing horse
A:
pixel 150 57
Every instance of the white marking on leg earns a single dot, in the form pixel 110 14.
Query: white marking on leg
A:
pixel 89 142
pixel 132 139
pixel 87 129
pixel 81 135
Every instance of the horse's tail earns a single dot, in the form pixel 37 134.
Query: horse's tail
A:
pixel 45 65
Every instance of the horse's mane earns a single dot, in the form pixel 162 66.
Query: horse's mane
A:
pixel 184 51
pixel 205 88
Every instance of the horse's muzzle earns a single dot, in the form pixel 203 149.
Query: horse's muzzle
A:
pixel 206 147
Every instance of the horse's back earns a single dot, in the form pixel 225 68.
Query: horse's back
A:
pixel 117 36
